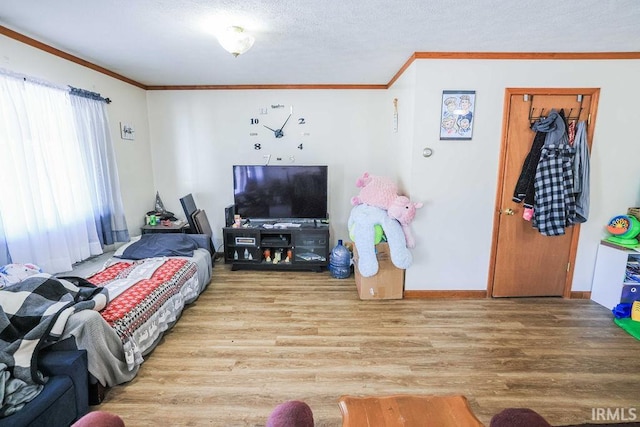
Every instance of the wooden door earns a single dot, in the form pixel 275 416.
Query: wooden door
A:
pixel 524 262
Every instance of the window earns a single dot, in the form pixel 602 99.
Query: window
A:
pixel 58 201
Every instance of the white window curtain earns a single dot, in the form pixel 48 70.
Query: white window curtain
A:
pixel 46 208
pixel 92 125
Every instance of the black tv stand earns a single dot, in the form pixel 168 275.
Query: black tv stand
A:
pixel 304 247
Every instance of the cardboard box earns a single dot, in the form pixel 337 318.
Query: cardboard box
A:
pixel 388 283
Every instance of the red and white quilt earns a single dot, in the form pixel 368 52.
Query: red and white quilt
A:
pixel 146 297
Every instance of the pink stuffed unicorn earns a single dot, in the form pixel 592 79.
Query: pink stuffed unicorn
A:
pixel 381 192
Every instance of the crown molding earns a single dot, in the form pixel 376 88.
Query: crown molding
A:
pixel 415 56
pixel 61 54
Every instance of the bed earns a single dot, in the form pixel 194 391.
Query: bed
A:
pixel 149 282
pixel 117 314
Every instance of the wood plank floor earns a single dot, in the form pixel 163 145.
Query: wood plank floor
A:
pixel 255 339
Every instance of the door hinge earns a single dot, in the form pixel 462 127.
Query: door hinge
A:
pixel 589 119
pixel 568 266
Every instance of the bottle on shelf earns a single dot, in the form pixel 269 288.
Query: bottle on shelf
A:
pixel 235 255
pixel 340 261
pixel 246 253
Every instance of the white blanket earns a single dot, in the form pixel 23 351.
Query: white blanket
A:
pixel 141 270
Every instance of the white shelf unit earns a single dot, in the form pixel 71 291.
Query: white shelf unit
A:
pixel 609 273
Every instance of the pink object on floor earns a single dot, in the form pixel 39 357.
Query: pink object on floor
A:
pixel 293 413
pixel 99 419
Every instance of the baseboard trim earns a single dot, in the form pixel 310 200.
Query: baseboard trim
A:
pixel 458 294
pixel 461 294
pixel 580 295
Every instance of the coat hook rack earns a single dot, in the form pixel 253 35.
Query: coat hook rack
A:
pixel 533 117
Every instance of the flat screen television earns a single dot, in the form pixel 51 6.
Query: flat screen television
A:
pixel 280 192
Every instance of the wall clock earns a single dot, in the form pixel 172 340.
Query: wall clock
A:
pixel 277 122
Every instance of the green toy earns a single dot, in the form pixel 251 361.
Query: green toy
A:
pixel 624 230
pixel 379 236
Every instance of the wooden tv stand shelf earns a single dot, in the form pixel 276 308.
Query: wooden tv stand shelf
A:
pixel 306 246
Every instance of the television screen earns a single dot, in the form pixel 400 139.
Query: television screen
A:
pixel 280 192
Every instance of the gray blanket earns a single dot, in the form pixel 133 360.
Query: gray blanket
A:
pixel 33 314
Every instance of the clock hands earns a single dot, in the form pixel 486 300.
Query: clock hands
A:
pixel 285 122
pixel 278 132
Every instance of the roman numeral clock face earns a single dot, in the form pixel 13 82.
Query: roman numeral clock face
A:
pixel 277 123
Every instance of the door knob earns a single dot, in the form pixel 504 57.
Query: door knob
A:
pixel 509 211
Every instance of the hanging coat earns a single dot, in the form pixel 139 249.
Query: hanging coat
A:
pixel 554 206
pixel 524 192
pixel 581 173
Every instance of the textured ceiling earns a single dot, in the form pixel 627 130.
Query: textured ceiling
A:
pixel 171 42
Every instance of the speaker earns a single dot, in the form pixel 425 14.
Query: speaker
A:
pixel 229 212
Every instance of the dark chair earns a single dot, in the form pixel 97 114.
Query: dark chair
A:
pixel 202 223
pixel 189 208
pixel 65 397
pixel 203 227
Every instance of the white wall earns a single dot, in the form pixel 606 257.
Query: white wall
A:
pixel 458 183
pixel 198 135
pixel 402 140
pixel 129 105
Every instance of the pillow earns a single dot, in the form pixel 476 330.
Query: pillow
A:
pixel 121 249
pixel 11 274
pixel 159 245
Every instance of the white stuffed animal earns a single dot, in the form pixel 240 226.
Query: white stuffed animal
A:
pixel 362 221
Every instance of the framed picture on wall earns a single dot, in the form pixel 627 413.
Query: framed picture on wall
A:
pixel 456 120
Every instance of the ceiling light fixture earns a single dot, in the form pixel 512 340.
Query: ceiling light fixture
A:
pixel 235 41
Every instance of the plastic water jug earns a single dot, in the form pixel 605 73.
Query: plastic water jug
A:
pixel 340 261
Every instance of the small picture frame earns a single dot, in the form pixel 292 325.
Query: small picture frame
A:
pixel 457 117
pixel 127 131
